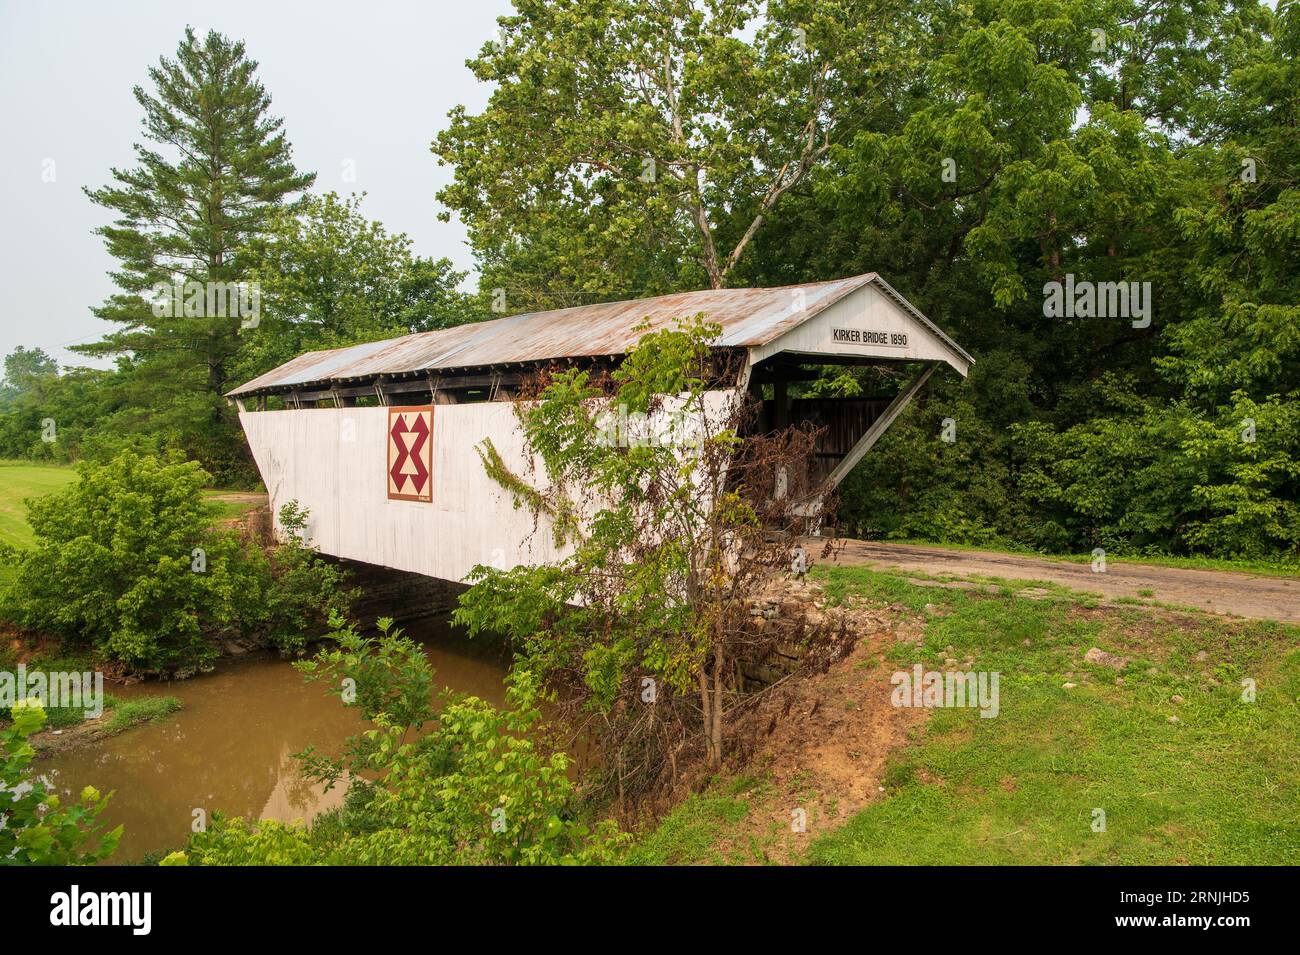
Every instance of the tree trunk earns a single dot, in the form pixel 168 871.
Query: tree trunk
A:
pixel 715 731
pixel 706 709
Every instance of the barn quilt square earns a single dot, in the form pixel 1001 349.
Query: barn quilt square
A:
pixel 410 453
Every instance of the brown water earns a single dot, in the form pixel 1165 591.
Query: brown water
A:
pixel 231 747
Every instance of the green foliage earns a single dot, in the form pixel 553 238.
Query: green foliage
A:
pixel 292 592
pixel 1249 490
pixel 126 562
pixel 476 789
pixel 35 828
pixel 989 148
pixel 49 416
pixel 1105 438
pixel 25 370
pixel 385 676
pixel 630 147
pixel 330 277
pixel 500 800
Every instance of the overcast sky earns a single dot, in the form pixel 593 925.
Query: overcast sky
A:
pixel 369 82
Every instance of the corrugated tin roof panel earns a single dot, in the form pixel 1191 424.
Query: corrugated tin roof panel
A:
pixel 748 317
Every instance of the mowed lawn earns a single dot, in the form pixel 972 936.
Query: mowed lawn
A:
pixel 1098 772
pixel 1160 762
pixel 20 480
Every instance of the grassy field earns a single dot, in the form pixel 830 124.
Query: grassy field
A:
pixel 20 480
pixel 1217 784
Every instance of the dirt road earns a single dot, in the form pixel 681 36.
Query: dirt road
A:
pixel 1243 594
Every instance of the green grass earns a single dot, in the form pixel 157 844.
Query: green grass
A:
pixel 1219 786
pixel 144 709
pixel 1270 568
pixel 123 713
pixel 61 717
pixel 687 835
pixel 229 510
pixel 20 480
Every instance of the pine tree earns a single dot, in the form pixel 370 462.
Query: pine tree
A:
pixel 216 169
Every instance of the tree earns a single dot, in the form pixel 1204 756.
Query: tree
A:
pixel 187 213
pixel 331 277
pixel 51 415
pixel 1096 139
pixel 638 148
pixel 31 381
pixel 672 523
pixel 26 369
pixel 428 298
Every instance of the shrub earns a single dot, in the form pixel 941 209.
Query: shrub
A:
pixel 36 829
pixel 126 561
pixel 476 789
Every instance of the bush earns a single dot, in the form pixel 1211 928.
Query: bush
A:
pixel 35 829
pixel 126 561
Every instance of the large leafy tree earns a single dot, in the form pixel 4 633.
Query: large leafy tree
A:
pixel 210 177
pixel 1131 438
pixel 1238 353
pixel 1012 143
pixel 25 369
pixel 638 148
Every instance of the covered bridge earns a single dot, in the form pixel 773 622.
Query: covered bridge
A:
pixel 378 440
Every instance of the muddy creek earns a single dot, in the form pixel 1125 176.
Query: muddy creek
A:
pixel 231 746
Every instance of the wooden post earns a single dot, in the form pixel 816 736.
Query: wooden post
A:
pixel 879 426
pixel 781 394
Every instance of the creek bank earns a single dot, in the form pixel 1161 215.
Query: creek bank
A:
pixel 810 749
pixel 118 717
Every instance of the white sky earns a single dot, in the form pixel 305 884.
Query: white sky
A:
pixel 367 81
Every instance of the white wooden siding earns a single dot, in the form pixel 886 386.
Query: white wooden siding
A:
pixel 333 461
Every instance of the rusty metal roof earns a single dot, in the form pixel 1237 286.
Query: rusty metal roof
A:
pixel 749 317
